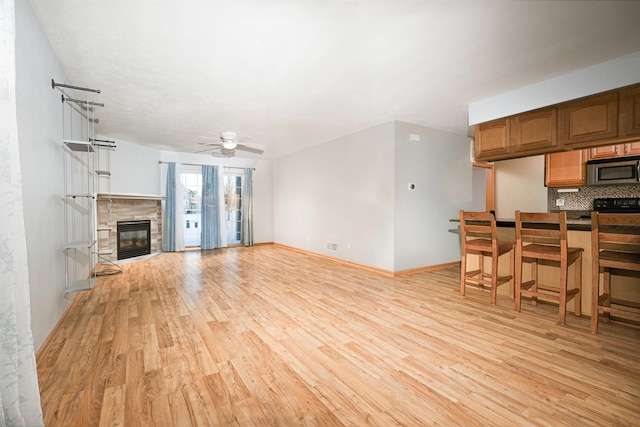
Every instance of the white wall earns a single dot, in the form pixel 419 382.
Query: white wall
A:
pixel 40 139
pixel 134 168
pixel 609 75
pixel 520 185
pixel 440 167
pixel 341 192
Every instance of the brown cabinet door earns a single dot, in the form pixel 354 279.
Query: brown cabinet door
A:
pixel 629 117
pixel 618 150
pixel 492 139
pixel 590 119
pixel 534 130
pixel 566 168
pixel 632 149
pixel 606 151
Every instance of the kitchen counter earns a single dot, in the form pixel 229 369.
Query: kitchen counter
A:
pixel 573 223
pixel 579 236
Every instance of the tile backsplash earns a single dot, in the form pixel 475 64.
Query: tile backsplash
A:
pixel 582 200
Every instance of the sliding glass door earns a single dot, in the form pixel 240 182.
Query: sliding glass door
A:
pixel 192 193
pixel 233 206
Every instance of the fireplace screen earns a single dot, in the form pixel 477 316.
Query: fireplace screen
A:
pixel 134 238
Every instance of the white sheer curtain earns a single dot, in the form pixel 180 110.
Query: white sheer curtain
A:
pixel 173 220
pixel 19 394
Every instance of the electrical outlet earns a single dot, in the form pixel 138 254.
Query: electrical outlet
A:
pixel 411 186
pixel 559 202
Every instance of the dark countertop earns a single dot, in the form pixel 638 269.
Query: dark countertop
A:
pixel 572 224
pixel 576 220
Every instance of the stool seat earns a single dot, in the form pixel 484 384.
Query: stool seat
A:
pixel 541 238
pixel 479 236
pixel 550 252
pixel 623 257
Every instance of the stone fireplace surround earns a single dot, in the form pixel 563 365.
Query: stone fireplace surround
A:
pixel 127 207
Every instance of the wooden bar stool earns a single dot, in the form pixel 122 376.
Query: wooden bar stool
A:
pixel 615 245
pixel 480 236
pixel 541 238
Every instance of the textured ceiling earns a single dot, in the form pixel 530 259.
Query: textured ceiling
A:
pixel 291 74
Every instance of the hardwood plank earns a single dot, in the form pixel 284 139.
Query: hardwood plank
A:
pixel 270 336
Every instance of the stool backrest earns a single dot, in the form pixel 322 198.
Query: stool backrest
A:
pixel 541 228
pixel 479 225
pixel 618 232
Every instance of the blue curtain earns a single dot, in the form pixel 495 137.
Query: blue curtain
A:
pixel 210 234
pixel 169 220
pixel 172 222
pixel 247 208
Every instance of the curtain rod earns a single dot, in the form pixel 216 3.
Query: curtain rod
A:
pixel 199 164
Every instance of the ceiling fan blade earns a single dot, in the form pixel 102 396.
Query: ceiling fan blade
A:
pixel 205 150
pixel 249 149
pixel 217 138
pixel 209 144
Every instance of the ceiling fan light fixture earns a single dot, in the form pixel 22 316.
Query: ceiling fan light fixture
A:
pixel 228 140
pixel 229 144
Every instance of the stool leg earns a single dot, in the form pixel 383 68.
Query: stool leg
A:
pixel 463 271
pixel 606 316
pixel 494 278
pixel 534 277
pixel 512 282
pixel 578 296
pixel 562 310
pixel 481 266
pixel 518 279
pixel 595 294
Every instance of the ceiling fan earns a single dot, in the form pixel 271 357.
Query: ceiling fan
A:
pixel 228 144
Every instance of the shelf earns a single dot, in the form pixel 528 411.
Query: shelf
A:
pixel 74 195
pixel 85 244
pixel 85 146
pixel 81 285
pixel 104 196
pixel 103 173
pixel 105 228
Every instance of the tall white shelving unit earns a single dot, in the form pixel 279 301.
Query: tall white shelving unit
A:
pixel 82 180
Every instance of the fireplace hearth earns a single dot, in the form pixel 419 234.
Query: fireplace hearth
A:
pixel 134 238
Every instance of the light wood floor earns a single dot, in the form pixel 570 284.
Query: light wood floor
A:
pixel 269 336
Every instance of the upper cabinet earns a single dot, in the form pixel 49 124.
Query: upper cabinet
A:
pixel 607 118
pixel 534 130
pixel 588 120
pixel 617 150
pixel 630 111
pixel 492 140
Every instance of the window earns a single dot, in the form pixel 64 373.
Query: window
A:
pixel 233 206
pixel 192 193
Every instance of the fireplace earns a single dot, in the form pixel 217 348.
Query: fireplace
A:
pixel 134 238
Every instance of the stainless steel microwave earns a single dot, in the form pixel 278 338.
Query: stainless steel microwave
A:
pixel 624 170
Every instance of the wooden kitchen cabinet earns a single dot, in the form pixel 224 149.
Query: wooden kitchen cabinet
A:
pixel 534 130
pixel 566 168
pixel 589 120
pixel 617 150
pixel 492 140
pixel 598 120
pixel 629 113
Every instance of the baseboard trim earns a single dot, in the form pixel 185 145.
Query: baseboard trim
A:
pixel 342 261
pixel 368 267
pixel 427 268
